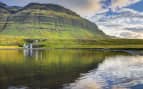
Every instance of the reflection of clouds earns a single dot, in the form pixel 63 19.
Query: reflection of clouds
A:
pixel 85 83
pixel 20 87
pixel 121 72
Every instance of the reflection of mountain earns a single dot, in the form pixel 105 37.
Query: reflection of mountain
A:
pixel 120 72
pixel 46 68
pixel 124 23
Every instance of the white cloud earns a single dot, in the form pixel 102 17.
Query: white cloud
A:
pixel 127 23
pixel 129 10
pixel 83 7
pixel 116 4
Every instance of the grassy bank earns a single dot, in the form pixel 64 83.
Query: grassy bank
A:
pixel 14 42
pixel 107 43
pixel 9 47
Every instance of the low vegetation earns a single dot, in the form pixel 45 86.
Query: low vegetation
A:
pixel 14 42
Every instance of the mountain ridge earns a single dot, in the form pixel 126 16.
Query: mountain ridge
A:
pixel 49 21
pixel 42 6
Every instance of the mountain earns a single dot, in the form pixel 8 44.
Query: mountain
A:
pixel 11 9
pixel 125 23
pixel 14 9
pixel 48 21
pixel 4 13
pixel 2 4
pixel 3 9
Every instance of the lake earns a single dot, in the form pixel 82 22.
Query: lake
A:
pixel 71 69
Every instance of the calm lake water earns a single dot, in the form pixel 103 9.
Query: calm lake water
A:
pixel 70 69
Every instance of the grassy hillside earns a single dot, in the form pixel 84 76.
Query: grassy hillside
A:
pixel 105 44
pixel 51 22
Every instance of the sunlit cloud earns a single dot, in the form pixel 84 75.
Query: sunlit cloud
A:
pixel 92 7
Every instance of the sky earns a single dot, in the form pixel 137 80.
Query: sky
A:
pixel 86 7
pixel 127 14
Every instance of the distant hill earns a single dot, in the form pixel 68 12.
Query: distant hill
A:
pixel 46 21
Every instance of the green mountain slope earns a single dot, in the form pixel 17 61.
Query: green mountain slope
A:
pixel 47 21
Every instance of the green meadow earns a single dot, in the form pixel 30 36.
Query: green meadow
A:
pixel 75 43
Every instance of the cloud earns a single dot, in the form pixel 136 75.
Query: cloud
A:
pixel 82 7
pixel 91 8
pixel 86 7
pixel 122 3
pixel 117 4
pixel 126 23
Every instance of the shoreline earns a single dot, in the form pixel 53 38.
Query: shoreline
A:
pixel 96 48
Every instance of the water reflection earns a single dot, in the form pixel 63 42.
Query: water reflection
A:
pixel 119 72
pixel 47 69
pixel 28 52
pixel 36 54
